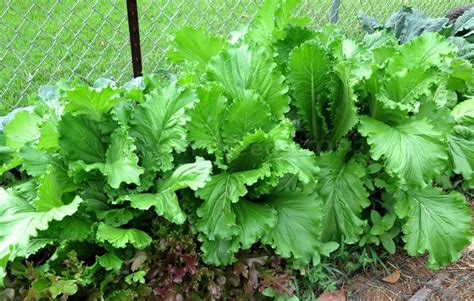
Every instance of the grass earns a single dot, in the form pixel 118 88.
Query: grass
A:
pixel 44 40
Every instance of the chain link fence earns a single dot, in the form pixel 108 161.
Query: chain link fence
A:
pixel 42 41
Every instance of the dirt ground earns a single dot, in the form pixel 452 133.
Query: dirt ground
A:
pixel 417 282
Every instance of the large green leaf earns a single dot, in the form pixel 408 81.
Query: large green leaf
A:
pixel 294 37
pixel 119 238
pixel 110 261
pixel 282 157
pixel 246 114
pixel 403 90
pixel 251 152
pixel 422 52
pixel 166 204
pixel 289 158
pixel 50 190
pixel 348 73
pixel 272 19
pixel 461 140
pixel 245 68
pixel 253 220
pixel 461 151
pixel 93 102
pixel 23 128
pixel 309 75
pixel 165 201
pixel 121 163
pixel 36 161
pixel 218 252
pixel 344 196
pixel 49 139
pixel 414 151
pixel 115 217
pixel 262 27
pixel 81 139
pixel 72 228
pixel 206 120
pixel 20 220
pixel 192 175
pixel 298 226
pixel 217 220
pixel 435 222
pixel 195 46
pixel 159 125
pixel 463 112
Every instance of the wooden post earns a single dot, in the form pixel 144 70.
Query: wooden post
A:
pixel 134 37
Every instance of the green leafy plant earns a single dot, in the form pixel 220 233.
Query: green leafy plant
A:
pixel 86 165
pixel 375 102
pixel 281 137
pixel 409 23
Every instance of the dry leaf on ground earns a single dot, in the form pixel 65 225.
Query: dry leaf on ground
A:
pixel 339 295
pixel 392 278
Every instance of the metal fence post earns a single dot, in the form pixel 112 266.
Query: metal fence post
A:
pixel 336 4
pixel 134 37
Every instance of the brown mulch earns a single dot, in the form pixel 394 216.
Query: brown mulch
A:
pixel 417 281
pixel 454 282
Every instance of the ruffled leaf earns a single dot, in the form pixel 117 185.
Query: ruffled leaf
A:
pixel 435 222
pixel 94 102
pixel 206 120
pixel 36 161
pixel 298 226
pixel 50 189
pixel 192 175
pixel 422 52
pixel 245 68
pixel 463 112
pixel 110 261
pixel 166 204
pixel 309 75
pixel 218 252
pixel 217 220
pixel 272 19
pixel 253 220
pixel 461 151
pixel 344 196
pixel 121 163
pixel 23 128
pixel 20 220
pixel 115 217
pixel 415 151
pixel 165 201
pixel 81 139
pixel 119 238
pixel 73 228
pixel 195 46
pixel 159 126
pixel 403 90
pixel 246 114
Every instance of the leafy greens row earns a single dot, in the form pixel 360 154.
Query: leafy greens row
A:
pixel 281 136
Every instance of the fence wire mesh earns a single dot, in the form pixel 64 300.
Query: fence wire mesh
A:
pixel 42 41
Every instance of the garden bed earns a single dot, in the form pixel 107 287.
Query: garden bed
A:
pixel 273 162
